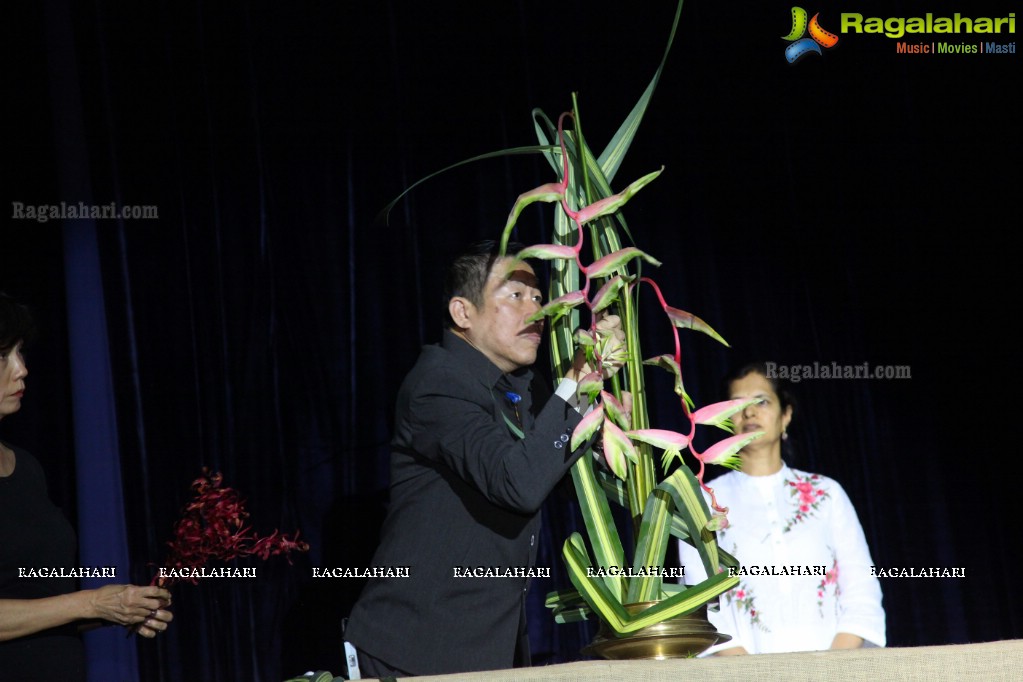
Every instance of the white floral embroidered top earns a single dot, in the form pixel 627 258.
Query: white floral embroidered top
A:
pixel 806 568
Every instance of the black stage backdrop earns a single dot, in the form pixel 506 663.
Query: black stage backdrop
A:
pixel 852 208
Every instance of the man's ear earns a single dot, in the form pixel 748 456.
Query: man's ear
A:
pixel 461 311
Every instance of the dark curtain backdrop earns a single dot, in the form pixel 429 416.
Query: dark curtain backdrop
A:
pixel 856 207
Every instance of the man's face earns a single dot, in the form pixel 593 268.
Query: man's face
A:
pixel 498 328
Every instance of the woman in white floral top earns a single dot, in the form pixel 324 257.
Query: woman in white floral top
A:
pixel 806 580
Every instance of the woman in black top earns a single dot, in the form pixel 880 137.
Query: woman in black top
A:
pixel 40 617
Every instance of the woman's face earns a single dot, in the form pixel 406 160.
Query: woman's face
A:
pixel 766 416
pixel 12 380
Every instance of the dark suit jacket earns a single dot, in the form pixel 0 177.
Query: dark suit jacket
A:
pixel 465 492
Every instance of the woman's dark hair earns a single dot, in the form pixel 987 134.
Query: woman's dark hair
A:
pixel 16 324
pixel 781 387
pixel 467 274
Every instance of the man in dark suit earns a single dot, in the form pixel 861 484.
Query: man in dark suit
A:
pixel 478 446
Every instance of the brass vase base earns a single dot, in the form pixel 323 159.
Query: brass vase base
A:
pixel 679 637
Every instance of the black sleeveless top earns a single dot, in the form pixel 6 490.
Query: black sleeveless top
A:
pixel 34 534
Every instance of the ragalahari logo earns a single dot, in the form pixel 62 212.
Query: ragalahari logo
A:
pixel 802 46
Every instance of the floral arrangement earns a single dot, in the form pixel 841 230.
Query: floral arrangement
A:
pixel 660 505
pixel 663 504
pixel 625 590
pixel 212 528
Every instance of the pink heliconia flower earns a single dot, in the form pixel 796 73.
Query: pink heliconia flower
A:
pixel 618 449
pixel 615 410
pixel 661 438
pixel 610 204
pixel 587 427
pixel 724 452
pixel 682 319
pixel 668 362
pixel 607 294
pixel 559 306
pixel 590 385
pixel 547 252
pixel 550 192
pixel 718 414
pixel 611 262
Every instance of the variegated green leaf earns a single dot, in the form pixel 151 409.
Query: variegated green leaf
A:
pixel 601 599
pixel 600 525
pixel 690 505
pixel 613 487
pixel 682 603
pixel 651 545
pixel 575 615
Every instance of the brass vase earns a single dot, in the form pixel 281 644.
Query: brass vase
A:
pixel 679 637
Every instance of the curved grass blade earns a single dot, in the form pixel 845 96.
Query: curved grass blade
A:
pixel 611 158
pixel 384 214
